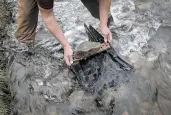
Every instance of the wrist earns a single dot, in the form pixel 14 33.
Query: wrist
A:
pixel 67 46
pixel 102 26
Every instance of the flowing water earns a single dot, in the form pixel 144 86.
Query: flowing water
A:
pixel 41 84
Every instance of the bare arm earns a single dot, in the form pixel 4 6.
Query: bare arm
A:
pixel 53 26
pixel 104 8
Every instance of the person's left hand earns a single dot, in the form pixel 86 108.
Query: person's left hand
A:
pixel 68 55
pixel 107 34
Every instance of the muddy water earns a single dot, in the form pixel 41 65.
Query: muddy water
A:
pixel 43 85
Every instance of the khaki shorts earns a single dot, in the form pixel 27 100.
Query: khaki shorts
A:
pixel 28 17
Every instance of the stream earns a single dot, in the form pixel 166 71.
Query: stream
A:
pixel 41 84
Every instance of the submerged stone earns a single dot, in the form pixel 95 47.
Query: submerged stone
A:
pixel 88 46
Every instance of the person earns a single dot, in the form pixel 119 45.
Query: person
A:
pixel 28 17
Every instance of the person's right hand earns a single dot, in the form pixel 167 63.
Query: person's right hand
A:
pixel 68 55
pixel 107 34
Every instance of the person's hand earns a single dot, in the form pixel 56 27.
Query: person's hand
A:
pixel 68 55
pixel 106 33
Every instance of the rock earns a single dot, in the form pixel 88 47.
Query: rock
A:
pixel 142 7
pixel 88 46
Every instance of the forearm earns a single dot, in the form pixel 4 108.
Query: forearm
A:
pixel 104 8
pixel 53 26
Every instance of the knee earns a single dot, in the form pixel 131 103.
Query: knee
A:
pixel 26 12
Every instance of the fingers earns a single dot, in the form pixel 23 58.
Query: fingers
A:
pixel 68 55
pixel 107 35
pixel 110 37
pixel 68 60
pixel 105 38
